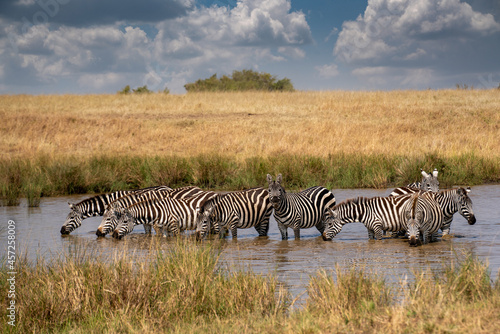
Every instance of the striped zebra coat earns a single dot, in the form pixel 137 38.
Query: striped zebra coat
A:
pixel 450 201
pixel 168 214
pixel 429 182
pixel 109 223
pixel 95 206
pixel 378 214
pixel 239 209
pixel 425 217
pixel 299 210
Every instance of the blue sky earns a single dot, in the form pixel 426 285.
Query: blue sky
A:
pixel 95 46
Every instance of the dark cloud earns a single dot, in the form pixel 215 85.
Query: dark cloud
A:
pixel 91 12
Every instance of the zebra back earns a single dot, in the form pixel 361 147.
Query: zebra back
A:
pixel 170 213
pixel 299 210
pixel 239 209
pixel 378 214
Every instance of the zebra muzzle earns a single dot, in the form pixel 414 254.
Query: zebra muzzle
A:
pixel 471 220
pixel 413 240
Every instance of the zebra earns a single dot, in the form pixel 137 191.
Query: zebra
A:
pixel 425 217
pixel 298 210
pixel 378 214
pixel 240 209
pixel 108 224
pixel 450 201
pixel 429 182
pixel 168 214
pixel 96 205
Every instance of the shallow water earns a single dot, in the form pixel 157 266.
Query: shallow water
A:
pixel 292 261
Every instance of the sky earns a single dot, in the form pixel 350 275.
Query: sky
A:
pixel 100 46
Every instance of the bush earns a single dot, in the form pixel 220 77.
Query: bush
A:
pixel 241 81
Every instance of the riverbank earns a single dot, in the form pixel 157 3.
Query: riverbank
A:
pixel 185 289
pixel 58 145
pixel 36 178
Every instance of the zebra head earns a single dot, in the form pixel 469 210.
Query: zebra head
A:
pixel 203 220
pixel 73 220
pixel 125 224
pixel 466 205
pixel 413 231
pixel 430 181
pixel 109 220
pixel 333 224
pixel 276 190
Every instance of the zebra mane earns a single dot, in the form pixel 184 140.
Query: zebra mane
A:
pixel 414 205
pixel 355 200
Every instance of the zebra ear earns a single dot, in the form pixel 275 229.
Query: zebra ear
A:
pixel 279 178
pixel 424 174
pixel 71 205
pixel 467 189
pixel 435 172
pixel 269 178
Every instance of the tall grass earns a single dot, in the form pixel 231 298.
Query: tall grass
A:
pixel 187 289
pixel 34 178
pixel 77 144
pixel 184 284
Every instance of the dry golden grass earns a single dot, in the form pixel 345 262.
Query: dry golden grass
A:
pixel 408 123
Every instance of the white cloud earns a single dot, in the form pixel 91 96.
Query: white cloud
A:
pixel 409 29
pixel 327 71
pixel 216 38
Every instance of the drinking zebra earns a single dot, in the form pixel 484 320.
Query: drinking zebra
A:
pixel 168 214
pixel 450 201
pixel 298 210
pixel 429 182
pixel 424 219
pixel 378 214
pixel 95 206
pixel 108 223
pixel 239 209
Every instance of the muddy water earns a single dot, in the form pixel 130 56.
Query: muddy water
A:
pixel 292 261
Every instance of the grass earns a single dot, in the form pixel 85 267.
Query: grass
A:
pixel 186 289
pixel 69 144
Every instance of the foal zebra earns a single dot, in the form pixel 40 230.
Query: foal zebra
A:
pixel 428 183
pixel 378 214
pixel 425 217
pixel 450 201
pixel 168 214
pixel 108 222
pixel 239 209
pixel 298 210
pixel 95 206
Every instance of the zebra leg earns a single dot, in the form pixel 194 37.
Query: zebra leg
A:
pixel 296 233
pixel 371 234
pixel 234 231
pixel 262 228
pixel 446 228
pixel 284 231
pixel 147 228
pixel 321 226
pixel 378 232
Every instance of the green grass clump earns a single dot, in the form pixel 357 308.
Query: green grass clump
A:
pixel 43 176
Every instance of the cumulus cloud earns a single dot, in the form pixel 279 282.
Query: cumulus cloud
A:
pixel 216 38
pixel 327 71
pixel 422 38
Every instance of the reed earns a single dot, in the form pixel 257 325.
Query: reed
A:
pixel 186 289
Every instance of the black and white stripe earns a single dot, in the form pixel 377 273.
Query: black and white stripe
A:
pixel 95 206
pixel 109 223
pixel 429 182
pixel 234 210
pixel 450 201
pixel 168 214
pixel 299 210
pixel 424 219
pixel 378 214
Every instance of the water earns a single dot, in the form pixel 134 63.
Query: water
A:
pixel 292 261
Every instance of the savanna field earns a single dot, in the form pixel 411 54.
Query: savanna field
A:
pixel 71 144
